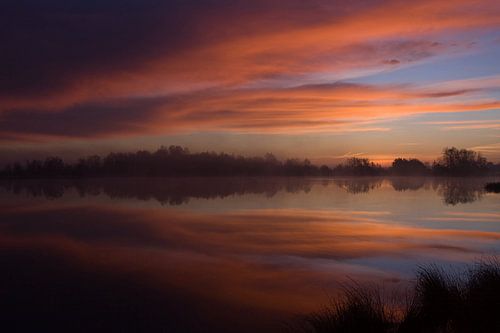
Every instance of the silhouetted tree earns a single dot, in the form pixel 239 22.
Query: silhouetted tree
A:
pixel 178 161
pixel 460 162
pixel 166 161
pixel 325 171
pixel 409 167
pixel 358 167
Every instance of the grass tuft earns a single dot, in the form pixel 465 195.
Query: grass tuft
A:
pixel 439 302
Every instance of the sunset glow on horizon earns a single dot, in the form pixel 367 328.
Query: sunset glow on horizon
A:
pixel 324 80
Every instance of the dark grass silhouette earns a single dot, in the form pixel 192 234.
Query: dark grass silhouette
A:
pixel 435 303
pixel 360 310
pixel 492 187
pixel 440 302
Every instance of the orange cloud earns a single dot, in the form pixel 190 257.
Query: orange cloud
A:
pixel 264 75
pixel 316 39
pixel 335 108
pixel 451 125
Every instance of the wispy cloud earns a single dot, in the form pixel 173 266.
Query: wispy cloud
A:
pixel 493 148
pixel 174 45
pixel 333 108
pixel 263 66
pixel 410 144
pixel 349 155
pixel 465 124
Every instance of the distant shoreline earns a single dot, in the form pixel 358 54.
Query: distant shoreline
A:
pixel 250 177
pixel 176 161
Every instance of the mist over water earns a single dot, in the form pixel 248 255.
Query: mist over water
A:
pixel 224 254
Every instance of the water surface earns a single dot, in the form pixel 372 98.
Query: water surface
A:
pixel 223 254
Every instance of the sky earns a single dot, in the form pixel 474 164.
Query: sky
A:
pixel 318 79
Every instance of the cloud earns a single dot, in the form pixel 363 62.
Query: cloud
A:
pixel 101 69
pixel 492 148
pixel 392 62
pixel 449 93
pixel 409 144
pixel 453 125
pixel 92 119
pixel 334 108
pixel 59 52
pixel 349 154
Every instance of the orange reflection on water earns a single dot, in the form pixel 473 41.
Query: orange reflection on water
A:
pixel 230 265
pixel 275 259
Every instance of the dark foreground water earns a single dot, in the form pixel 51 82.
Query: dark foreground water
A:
pixel 222 255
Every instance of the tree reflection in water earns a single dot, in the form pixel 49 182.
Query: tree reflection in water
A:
pixel 459 191
pixel 359 185
pixel 236 265
pixel 178 191
pixel 453 191
pixel 167 191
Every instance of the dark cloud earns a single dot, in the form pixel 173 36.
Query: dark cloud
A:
pixel 52 45
pixel 392 62
pixel 450 93
pixel 83 120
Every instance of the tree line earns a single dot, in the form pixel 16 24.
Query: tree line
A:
pixel 178 161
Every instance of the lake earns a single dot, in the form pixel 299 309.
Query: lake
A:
pixel 224 254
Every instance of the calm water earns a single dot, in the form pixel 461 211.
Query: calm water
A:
pixel 223 255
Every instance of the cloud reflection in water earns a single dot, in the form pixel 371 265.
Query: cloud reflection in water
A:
pixel 144 265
